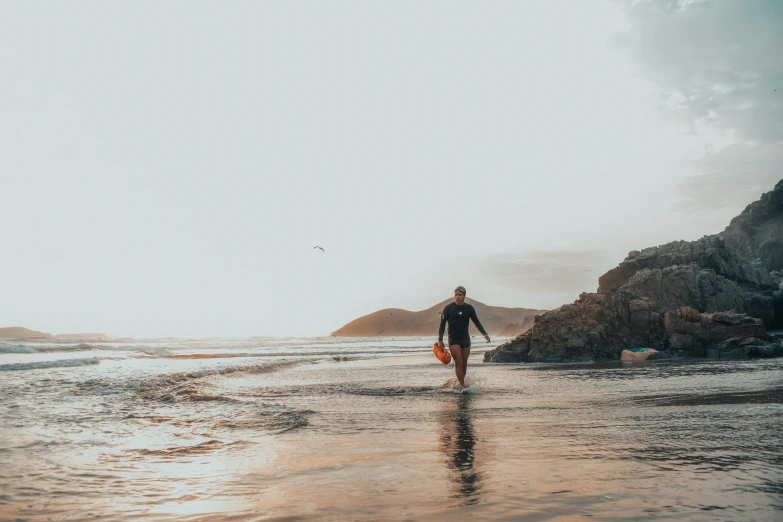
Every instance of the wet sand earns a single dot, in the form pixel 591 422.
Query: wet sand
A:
pixel 381 439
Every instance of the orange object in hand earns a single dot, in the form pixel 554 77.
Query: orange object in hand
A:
pixel 442 354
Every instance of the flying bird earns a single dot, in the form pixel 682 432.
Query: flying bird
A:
pixel 322 248
pixel 379 332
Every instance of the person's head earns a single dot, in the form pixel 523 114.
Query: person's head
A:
pixel 459 295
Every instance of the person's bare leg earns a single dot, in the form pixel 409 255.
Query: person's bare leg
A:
pixel 465 355
pixel 456 354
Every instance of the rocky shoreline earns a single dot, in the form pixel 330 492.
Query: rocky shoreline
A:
pixel 714 298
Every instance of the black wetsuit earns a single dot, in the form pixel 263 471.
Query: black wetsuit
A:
pixel 459 318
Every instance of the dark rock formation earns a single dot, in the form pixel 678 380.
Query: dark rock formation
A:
pixel 708 252
pixel 757 233
pixel 739 348
pixel 600 326
pixel 713 298
pixel 690 331
pixel 777 278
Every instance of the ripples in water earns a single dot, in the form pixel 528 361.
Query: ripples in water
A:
pixel 384 440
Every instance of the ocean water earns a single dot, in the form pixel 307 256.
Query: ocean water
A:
pixel 370 429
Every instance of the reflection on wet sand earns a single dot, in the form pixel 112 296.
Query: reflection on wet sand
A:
pixel 458 443
pixel 380 440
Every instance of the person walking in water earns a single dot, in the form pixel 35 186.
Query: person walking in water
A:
pixel 459 314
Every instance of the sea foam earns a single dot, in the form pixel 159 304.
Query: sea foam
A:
pixel 65 363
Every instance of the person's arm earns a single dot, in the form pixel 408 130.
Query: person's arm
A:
pixel 476 321
pixel 442 327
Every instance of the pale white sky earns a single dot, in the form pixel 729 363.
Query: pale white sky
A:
pixel 167 168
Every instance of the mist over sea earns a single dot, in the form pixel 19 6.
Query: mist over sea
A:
pixel 367 429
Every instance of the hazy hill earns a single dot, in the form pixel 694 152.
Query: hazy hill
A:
pixel 83 336
pixel 394 321
pixel 17 332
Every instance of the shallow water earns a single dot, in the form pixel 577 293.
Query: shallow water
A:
pixel 335 429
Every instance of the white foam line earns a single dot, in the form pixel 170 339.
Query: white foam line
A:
pixel 49 364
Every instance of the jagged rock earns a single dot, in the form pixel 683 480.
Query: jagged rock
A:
pixel 745 252
pixel 757 233
pixel 599 326
pixel 738 348
pixel 761 305
pixel 595 327
pixel 514 354
pixel 777 295
pixel 693 332
pixel 701 289
pixel 777 278
pixel 681 298
pixel 709 252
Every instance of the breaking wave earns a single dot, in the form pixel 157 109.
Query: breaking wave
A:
pixel 48 348
pixel 198 401
pixel 170 352
pixel 66 363
pixel 178 387
pixel 17 348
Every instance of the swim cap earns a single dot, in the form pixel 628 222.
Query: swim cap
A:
pixel 461 289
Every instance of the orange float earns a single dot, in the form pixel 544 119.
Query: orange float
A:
pixel 442 354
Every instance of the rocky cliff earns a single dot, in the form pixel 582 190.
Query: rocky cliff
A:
pixel 714 297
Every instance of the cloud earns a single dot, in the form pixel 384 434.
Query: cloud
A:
pixel 733 177
pixel 717 66
pixel 551 272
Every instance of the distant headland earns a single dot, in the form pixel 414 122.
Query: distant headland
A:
pixel 497 320
pixel 18 332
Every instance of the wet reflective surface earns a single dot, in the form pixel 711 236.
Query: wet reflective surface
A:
pixel 458 442
pixel 216 432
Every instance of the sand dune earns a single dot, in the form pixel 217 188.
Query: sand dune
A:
pixel 396 321
pixel 17 332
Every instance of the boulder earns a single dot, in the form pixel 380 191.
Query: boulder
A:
pixel 739 348
pixel 629 355
pixel 693 332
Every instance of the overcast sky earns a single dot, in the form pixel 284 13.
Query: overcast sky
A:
pixel 166 168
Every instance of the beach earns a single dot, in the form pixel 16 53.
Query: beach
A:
pixel 365 429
